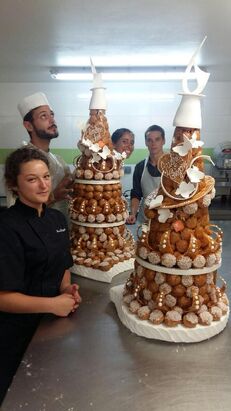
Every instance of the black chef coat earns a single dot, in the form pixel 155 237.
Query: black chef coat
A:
pixel 34 254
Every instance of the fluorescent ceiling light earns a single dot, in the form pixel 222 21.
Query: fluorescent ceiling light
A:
pixel 136 96
pixel 121 73
pixel 174 57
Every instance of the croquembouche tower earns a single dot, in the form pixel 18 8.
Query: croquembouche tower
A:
pixel 102 246
pixel 173 293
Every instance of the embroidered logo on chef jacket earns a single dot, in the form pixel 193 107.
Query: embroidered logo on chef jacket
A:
pixel 60 230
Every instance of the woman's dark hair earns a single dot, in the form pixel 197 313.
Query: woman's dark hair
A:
pixel 155 128
pixel 16 159
pixel 119 133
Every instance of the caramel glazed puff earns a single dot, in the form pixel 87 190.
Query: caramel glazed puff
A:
pixel 175 299
pixel 109 169
pixel 185 240
pixel 98 203
pixel 101 248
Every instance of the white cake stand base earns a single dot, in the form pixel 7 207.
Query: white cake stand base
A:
pixel 178 334
pixel 104 276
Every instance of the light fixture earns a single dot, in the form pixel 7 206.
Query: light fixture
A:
pixel 121 73
pixel 128 96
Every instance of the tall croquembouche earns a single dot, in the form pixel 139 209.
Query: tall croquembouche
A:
pixel 175 292
pixel 102 246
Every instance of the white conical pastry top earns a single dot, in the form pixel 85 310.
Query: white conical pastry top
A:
pixel 98 98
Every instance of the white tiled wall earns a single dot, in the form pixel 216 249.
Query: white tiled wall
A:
pixel 134 105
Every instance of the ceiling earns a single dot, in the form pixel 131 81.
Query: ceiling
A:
pixel 36 35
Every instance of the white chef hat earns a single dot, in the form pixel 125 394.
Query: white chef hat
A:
pixel 33 101
pixel 189 111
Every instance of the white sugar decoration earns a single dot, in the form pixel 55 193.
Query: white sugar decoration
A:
pixel 185 189
pixel 98 98
pixel 205 157
pixel 156 202
pixel 95 158
pixel 194 174
pixel 196 143
pixel 124 154
pixel 86 142
pixel 164 215
pixel 119 156
pixel 105 153
pixel 145 228
pixel 95 148
pixel 183 149
pixel 97 77
pixel 202 76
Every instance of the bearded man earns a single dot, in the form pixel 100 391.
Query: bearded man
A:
pixel 39 121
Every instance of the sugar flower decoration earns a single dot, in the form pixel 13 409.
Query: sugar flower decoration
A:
pixel 194 174
pixel 185 189
pixel 183 149
pixel 164 215
pixel 145 228
pixel 105 153
pixel 95 158
pixel 124 154
pixel 119 156
pixel 196 143
pixel 86 142
pixel 95 148
pixel 156 202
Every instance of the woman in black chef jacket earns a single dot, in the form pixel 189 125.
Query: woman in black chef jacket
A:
pixel 34 260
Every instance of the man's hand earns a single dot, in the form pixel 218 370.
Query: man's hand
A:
pixel 131 219
pixel 64 189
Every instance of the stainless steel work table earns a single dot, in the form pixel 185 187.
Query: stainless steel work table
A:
pixel 91 362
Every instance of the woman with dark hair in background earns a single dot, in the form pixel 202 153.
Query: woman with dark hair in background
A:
pixel 34 260
pixel 123 140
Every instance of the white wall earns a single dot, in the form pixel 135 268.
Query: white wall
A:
pixel 134 105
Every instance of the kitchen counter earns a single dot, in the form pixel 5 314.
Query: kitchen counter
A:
pixel 91 362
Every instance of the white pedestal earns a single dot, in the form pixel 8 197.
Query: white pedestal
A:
pixel 178 334
pixel 104 276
